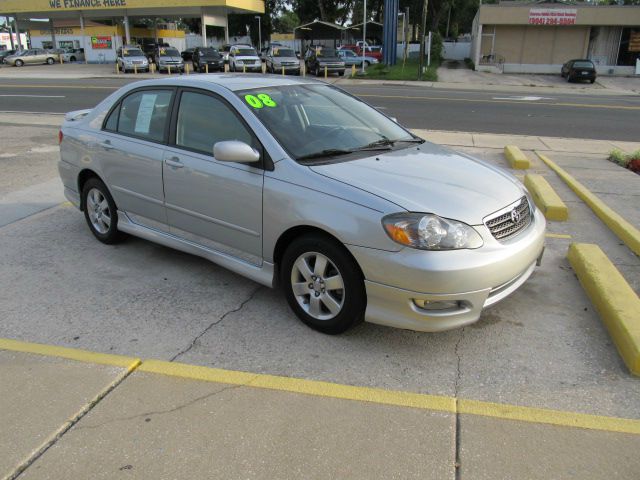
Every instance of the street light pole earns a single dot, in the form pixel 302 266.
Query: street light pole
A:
pixel 364 34
pixel 259 33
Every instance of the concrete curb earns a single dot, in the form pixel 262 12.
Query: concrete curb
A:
pixel 629 234
pixel 516 158
pixel 615 301
pixel 546 198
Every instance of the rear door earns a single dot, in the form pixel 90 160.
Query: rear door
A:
pixel 131 152
pixel 212 203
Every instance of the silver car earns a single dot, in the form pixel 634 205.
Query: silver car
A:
pixel 294 182
pixel 32 56
pixel 279 58
pixel 132 59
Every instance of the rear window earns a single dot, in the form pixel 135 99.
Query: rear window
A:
pixel 583 65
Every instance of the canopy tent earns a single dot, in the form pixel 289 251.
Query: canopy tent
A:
pixel 320 33
pixel 374 33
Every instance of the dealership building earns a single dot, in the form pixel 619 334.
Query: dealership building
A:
pixel 538 37
pixel 101 26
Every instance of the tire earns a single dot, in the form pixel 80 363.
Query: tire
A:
pixel 592 80
pixel 50 61
pixel 19 63
pixel 102 219
pixel 568 78
pixel 72 59
pixel 341 73
pixel 366 64
pixel 331 302
pixel 317 71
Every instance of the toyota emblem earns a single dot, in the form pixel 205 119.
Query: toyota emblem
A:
pixel 515 215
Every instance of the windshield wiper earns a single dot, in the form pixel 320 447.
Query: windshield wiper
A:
pixel 325 153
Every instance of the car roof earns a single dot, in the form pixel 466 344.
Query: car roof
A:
pixel 230 81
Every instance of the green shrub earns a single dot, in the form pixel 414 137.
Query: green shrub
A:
pixel 619 157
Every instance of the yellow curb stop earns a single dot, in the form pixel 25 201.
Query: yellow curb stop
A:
pixel 516 158
pixel 546 198
pixel 616 302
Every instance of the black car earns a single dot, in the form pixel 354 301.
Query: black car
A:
pixel 317 59
pixel 579 69
pixel 206 56
pixel 187 54
pixel 5 53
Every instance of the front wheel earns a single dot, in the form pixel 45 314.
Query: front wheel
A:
pixel 50 61
pixel 100 211
pixel 19 63
pixel 323 284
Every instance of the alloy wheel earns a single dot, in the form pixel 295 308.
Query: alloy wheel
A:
pixel 98 211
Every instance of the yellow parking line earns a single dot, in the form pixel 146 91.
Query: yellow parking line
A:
pixel 129 363
pixel 479 100
pixel 334 390
pixel 396 398
pixel 558 235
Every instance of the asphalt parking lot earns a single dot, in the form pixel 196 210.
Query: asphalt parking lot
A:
pixel 544 346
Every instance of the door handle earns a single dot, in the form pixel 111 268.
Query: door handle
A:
pixel 174 162
pixel 106 145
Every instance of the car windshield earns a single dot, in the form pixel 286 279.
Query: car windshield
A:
pixel 283 52
pixel 245 52
pixel 169 52
pixel 132 52
pixel 319 123
pixel 209 52
pixel 583 64
pixel 347 53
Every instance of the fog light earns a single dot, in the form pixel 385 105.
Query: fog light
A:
pixel 437 304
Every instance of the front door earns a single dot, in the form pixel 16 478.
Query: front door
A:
pixel 215 204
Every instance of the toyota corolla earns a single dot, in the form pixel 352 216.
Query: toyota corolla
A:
pixel 296 183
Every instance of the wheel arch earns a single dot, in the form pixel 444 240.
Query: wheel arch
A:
pixel 83 177
pixel 288 236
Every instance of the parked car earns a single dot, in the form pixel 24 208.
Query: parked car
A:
pixel 6 53
pixel 73 55
pixel 168 59
pixel 31 57
pixel 317 58
pixel 151 49
pixel 207 56
pixel 278 58
pixel 372 51
pixel 132 58
pixel 349 57
pixel 243 58
pixel 579 69
pixel 187 54
pixel 299 184
pixel 226 48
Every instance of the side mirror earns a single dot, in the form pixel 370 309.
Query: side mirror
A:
pixel 235 151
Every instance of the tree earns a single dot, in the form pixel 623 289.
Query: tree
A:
pixel 286 22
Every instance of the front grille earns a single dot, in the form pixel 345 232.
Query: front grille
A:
pixel 502 225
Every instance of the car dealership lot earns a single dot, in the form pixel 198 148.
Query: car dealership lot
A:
pixel 544 346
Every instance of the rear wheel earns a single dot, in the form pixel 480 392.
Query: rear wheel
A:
pixel 100 211
pixel 323 284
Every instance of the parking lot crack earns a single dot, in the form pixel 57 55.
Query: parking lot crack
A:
pixel 216 322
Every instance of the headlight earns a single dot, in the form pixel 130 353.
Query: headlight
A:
pixel 430 232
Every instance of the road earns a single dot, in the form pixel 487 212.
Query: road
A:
pixel 566 115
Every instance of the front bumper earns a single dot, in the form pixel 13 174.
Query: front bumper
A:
pixel 435 291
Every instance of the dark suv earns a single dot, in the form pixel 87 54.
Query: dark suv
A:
pixel 207 59
pixel 319 58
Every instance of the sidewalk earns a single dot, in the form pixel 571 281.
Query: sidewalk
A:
pixel 460 79
pixel 72 418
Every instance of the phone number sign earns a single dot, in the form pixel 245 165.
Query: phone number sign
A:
pixel 552 16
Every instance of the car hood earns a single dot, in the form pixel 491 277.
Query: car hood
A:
pixel 284 59
pixel 210 58
pixel 170 58
pixel 248 57
pixel 430 180
pixel 329 59
pixel 137 59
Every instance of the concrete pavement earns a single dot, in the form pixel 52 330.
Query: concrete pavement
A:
pixel 66 418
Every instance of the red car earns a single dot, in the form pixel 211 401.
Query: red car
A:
pixel 371 50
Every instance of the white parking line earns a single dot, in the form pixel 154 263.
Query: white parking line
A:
pixel 33 96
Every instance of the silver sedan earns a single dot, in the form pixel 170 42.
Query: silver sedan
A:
pixel 294 182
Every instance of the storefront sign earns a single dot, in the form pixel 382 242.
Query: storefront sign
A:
pixel 552 16
pixel 57 31
pixel 101 42
pixel 19 6
pixel 634 42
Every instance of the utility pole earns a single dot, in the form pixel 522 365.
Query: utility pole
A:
pixel 259 34
pixel 364 34
pixel 423 28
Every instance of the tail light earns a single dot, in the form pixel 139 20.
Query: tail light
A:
pixel 60 137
